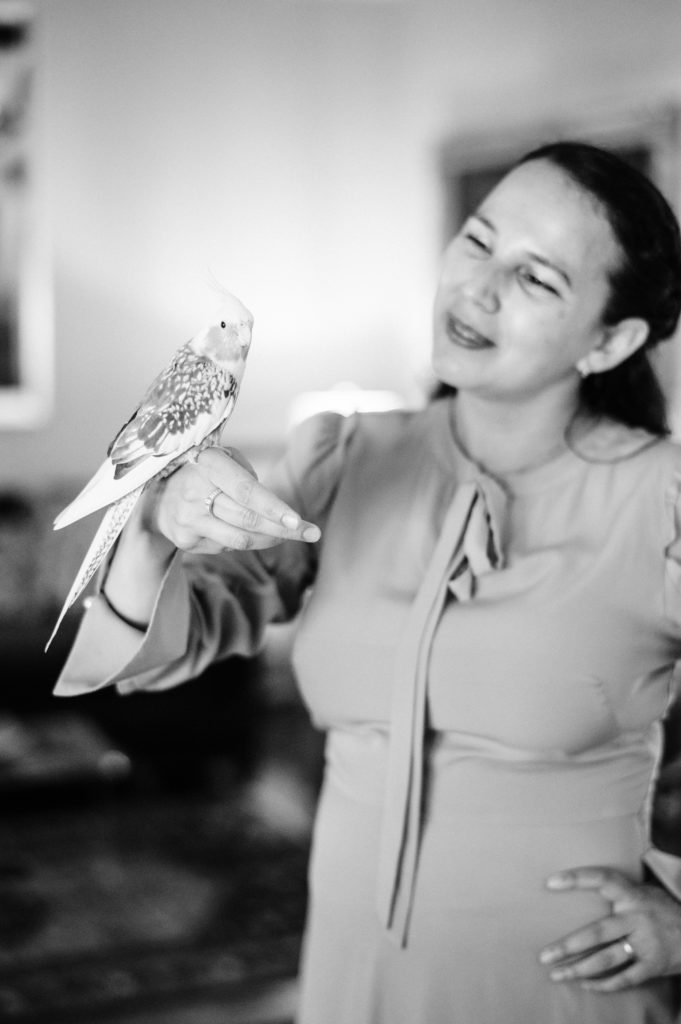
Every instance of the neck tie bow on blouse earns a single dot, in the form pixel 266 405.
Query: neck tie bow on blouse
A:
pixel 467 547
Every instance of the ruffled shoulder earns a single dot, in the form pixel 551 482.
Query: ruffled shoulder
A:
pixel 610 441
pixel 313 463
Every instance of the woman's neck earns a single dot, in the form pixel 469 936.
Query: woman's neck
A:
pixel 508 438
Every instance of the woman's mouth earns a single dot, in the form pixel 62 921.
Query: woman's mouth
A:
pixel 462 334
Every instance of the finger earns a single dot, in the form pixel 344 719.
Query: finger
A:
pixel 593 936
pixel 247 519
pixel 232 478
pixel 612 884
pixel 203 546
pixel 630 976
pixel 597 964
pixel 224 537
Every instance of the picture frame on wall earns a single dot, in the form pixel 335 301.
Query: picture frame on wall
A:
pixel 26 333
pixel 472 163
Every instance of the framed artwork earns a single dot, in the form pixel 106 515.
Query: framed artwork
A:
pixel 25 322
pixel 471 164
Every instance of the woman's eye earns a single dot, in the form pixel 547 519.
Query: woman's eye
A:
pixel 476 242
pixel 536 282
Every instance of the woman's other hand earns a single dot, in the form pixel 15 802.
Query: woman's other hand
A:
pixel 638 940
pixel 215 503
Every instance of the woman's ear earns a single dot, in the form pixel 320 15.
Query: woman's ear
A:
pixel 619 342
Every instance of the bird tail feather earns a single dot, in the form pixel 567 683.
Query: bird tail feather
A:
pixel 103 489
pixel 111 525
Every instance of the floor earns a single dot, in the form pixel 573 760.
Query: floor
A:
pixel 276 1004
pixel 124 905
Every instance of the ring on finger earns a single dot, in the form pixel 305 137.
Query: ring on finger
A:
pixel 629 950
pixel 209 500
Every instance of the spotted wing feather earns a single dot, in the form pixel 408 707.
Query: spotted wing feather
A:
pixel 189 389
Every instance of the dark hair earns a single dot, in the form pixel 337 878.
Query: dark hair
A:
pixel 646 283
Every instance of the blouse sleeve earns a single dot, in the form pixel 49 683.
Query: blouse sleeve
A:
pixel 210 607
pixel 672 582
pixel 664 865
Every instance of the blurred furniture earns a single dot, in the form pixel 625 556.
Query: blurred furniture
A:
pixel 153 864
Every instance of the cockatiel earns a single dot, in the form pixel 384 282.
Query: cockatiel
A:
pixel 183 411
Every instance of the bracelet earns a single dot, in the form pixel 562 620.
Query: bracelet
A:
pixel 140 626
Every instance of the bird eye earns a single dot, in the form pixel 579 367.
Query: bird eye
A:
pixel 223 324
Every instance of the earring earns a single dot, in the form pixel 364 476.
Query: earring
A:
pixel 582 369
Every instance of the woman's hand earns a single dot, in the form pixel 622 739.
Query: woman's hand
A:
pixel 216 502
pixel 640 938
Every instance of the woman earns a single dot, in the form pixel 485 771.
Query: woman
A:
pixel 491 633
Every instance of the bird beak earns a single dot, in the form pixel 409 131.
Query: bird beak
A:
pixel 245 338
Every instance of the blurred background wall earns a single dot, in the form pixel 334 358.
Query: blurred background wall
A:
pixel 291 148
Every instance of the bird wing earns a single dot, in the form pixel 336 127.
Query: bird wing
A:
pixel 173 409
pixel 183 405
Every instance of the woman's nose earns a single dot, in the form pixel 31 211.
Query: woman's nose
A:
pixel 483 288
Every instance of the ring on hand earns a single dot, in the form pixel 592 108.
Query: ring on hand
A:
pixel 209 500
pixel 628 949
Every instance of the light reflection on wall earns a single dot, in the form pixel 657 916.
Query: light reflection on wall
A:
pixel 344 398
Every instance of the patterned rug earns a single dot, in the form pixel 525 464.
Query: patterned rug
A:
pixel 130 903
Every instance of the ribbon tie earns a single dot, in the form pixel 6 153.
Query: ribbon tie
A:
pixel 467 547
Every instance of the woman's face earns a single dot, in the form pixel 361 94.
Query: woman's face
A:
pixel 523 287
